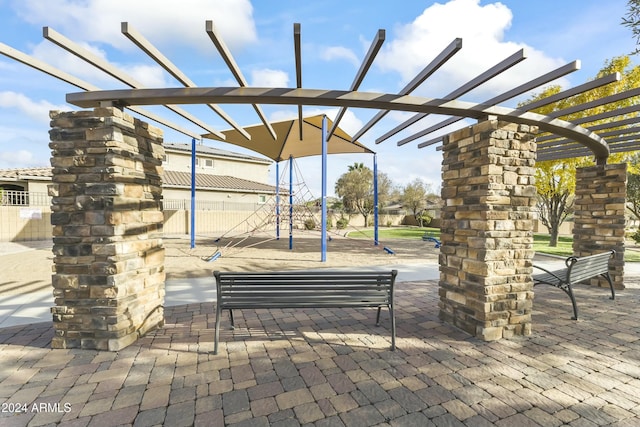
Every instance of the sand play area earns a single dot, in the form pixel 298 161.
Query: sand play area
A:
pixel 28 266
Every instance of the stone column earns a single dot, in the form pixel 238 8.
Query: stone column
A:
pixel 599 219
pixel 487 221
pixel 108 281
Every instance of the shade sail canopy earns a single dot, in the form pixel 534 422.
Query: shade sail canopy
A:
pixel 288 143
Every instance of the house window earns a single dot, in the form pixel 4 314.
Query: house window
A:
pixel 204 163
pixel 262 199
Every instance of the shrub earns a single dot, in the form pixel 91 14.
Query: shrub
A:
pixel 636 237
pixel 342 223
pixel 424 219
pixel 310 224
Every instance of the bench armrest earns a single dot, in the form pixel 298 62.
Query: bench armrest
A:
pixel 570 261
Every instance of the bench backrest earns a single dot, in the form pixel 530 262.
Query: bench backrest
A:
pixel 584 268
pixel 304 289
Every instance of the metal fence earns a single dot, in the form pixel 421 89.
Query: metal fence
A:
pixel 31 198
pixel 24 198
pixel 209 205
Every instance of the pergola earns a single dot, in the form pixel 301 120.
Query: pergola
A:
pixel 562 138
pixel 485 285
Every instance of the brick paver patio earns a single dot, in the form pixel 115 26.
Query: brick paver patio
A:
pixel 333 368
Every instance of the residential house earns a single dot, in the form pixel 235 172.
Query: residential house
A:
pixel 231 184
pixel 221 175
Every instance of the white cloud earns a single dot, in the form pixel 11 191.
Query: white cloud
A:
pixel 37 110
pixel 340 52
pixel 147 75
pixel 482 29
pixel 350 123
pixel 269 78
pixel 17 158
pixel 165 22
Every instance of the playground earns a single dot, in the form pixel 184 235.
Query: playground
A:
pixel 27 266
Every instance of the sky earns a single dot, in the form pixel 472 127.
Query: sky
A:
pixel 336 36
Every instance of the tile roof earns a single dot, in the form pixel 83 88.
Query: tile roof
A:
pixel 215 182
pixel 21 173
pixel 203 149
pixel 170 179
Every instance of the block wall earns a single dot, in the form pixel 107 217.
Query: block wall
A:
pixel 108 281
pixel 486 256
pixel 599 218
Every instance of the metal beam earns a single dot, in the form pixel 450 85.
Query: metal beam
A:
pixel 629 146
pixel 621 131
pixel 593 84
pixel 431 68
pixel 81 84
pixel 431 141
pixel 608 114
pixel 481 78
pixel 596 103
pixel 362 72
pixel 297 52
pixel 519 90
pixel 87 56
pixel 235 70
pixel 583 152
pixel 335 98
pixel 609 125
pixel 571 149
pixel 147 47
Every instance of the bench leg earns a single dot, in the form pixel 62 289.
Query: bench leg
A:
pixel 569 292
pixel 378 317
pixel 217 332
pixel 393 328
pixel 233 324
pixel 608 277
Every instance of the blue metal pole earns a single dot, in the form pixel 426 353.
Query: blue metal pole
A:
pixel 193 193
pixel 277 200
pixel 290 203
pixel 375 199
pixel 323 216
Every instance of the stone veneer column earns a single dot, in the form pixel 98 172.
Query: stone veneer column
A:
pixel 599 218
pixel 108 281
pixel 487 229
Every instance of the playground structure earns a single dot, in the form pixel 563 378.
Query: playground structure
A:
pixel 292 210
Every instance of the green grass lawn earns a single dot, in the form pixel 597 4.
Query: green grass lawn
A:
pixel 396 233
pixel 565 247
pixel 541 244
pixel 540 241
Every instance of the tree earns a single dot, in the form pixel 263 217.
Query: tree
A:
pixel 355 187
pixel 387 190
pixel 556 184
pixel 555 180
pixel 414 198
pixel 633 186
pixel 632 20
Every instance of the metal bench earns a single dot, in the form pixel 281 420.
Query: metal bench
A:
pixel 318 289
pixel 577 270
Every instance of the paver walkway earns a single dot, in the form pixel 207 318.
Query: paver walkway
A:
pixel 333 368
